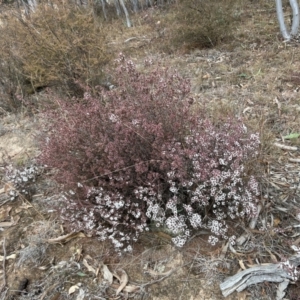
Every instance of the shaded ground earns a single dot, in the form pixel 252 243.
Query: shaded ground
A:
pixel 255 76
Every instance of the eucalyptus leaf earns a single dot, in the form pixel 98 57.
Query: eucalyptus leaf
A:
pixel 292 136
pixel 243 75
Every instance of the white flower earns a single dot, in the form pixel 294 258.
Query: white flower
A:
pixel 113 118
pixel 173 190
pixel 119 204
pixel 213 240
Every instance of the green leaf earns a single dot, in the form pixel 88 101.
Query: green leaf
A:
pixel 243 75
pixel 81 274
pixel 291 136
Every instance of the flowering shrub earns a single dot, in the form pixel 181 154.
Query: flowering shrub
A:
pixel 140 154
pixel 21 179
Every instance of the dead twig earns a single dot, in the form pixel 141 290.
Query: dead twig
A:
pixel 286 147
pixel 3 264
pixel 49 290
pixel 242 239
pixel 294 160
pixel 170 272
pixel 157 280
pixel 4 202
pixel 9 186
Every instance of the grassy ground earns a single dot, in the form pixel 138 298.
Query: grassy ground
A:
pixel 253 74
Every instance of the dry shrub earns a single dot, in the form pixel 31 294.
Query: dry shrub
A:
pixel 204 24
pixel 36 240
pixel 57 45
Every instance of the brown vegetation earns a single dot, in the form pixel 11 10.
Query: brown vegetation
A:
pixel 61 45
pixel 202 24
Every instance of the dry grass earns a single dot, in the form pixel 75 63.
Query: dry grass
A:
pixel 254 76
pixel 57 46
pixel 199 24
pixel 34 252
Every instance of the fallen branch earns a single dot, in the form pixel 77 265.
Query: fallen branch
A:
pixel 66 238
pixel 242 239
pixel 294 160
pixel 258 274
pixel 285 147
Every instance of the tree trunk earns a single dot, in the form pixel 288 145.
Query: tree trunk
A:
pixel 117 5
pixel 295 24
pixel 135 5
pixel 126 13
pixel 287 35
pixel 104 9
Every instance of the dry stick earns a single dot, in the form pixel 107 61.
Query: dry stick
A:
pixel 3 264
pixel 164 277
pixel 140 255
pixel 242 239
pixel 286 147
pixel 11 187
pixel 4 111
pixel 188 275
pixel 125 168
pixel 4 294
pixel 202 232
pixel 294 160
pixel 24 199
pixel 49 290
pixel 4 202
